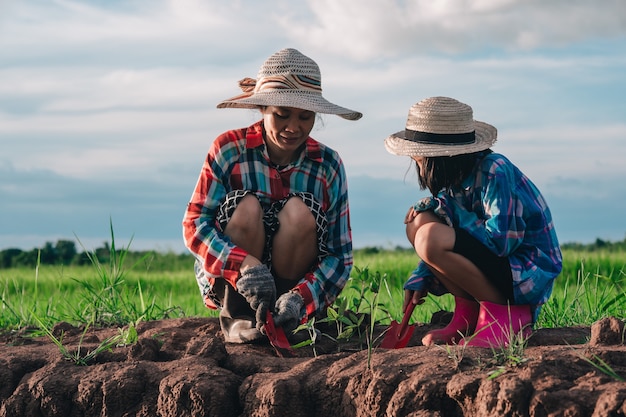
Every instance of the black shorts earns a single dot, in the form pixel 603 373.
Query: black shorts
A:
pixel 495 268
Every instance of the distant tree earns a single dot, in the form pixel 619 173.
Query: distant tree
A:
pixel 104 253
pixel 28 259
pixel 7 257
pixel 65 251
pixel 48 254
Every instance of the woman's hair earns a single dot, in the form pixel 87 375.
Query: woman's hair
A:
pixel 444 172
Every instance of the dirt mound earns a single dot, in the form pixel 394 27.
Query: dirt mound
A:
pixel 182 367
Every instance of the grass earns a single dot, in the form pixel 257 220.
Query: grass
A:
pixel 65 294
pixel 598 363
pixel 78 356
pixel 592 286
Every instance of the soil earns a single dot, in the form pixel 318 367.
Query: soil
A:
pixel 182 367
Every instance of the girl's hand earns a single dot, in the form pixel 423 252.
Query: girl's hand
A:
pixel 410 215
pixel 415 297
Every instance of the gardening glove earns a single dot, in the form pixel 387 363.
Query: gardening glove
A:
pixel 288 311
pixel 257 286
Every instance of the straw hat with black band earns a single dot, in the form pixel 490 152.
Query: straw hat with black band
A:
pixel 287 79
pixel 441 126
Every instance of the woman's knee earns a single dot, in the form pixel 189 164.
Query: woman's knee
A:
pixel 295 246
pixel 247 217
pixel 296 218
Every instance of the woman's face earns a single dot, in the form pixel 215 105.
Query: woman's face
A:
pixel 286 130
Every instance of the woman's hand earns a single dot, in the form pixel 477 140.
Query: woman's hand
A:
pixel 256 284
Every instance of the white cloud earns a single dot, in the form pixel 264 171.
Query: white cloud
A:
pixel 374 29
pixel 68 22
pixel 127 90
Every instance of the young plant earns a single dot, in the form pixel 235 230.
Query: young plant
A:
pixel 350 318
pixel 512 353
pixel 108 301
pixel 602 366
pixel 455 352
pixel 77 357
pixel 346 322
pixel 370 291
pixel 598 363
pixel 128 335
pixel 310 328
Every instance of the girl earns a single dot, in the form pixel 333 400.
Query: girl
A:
pixel 485 235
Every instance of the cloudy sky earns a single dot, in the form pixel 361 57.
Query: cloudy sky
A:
pixel 107 108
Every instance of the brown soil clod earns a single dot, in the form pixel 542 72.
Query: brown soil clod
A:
pixel 182 367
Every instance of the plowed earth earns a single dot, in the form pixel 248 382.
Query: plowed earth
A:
pixel 182 367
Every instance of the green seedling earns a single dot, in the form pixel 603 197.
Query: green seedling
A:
pixel 599 364
pixel 310 328
pixel 78 357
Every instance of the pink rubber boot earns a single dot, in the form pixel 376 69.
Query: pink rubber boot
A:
pixel 463 323
pixel 497 324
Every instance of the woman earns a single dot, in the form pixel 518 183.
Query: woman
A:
pixel 486 235
pixel 268 221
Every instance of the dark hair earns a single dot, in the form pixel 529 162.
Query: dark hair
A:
pixel 444 172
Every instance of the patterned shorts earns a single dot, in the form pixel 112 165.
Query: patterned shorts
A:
pixel 271 224
pixel 270 218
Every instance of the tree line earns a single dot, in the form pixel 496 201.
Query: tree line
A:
pixel 64 252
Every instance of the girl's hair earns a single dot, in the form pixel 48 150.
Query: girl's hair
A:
pixel 444 172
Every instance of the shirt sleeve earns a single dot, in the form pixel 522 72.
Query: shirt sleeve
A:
pixel 497 219
pixel 217 254
pixel 420 278
pixel 320 288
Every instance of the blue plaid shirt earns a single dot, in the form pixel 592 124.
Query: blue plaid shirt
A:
pixel 500 207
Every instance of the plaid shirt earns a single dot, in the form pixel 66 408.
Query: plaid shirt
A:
pixel 238 159
pixel 500 207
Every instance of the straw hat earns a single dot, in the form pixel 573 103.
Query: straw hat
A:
pixel 287 79
pixel 441 126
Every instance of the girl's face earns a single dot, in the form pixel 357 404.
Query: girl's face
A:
pixel 286 130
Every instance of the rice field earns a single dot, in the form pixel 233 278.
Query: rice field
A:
pixel 591 286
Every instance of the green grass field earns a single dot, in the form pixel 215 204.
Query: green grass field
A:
pixel 591 286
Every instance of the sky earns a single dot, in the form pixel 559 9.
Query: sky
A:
pixel 107 108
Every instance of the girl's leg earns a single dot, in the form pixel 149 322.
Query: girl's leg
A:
pixel 434 244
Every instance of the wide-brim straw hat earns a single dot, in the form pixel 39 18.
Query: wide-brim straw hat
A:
pixel 441 126
pixel 287 79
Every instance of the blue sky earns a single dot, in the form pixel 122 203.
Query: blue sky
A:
pixel 107 108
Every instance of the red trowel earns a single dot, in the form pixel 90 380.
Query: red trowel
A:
pixel 277 338
pixel 399 334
